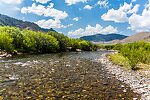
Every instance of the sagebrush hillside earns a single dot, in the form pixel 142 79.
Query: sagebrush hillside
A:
pixel 137 37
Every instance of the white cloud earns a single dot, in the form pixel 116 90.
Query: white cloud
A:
pixel 51 24
pixel 120 15
pixel 42 1
pixel 76 19
pixel 140 22
pixel 90 30
pixel 10 7
pixel 135 9
pixel 115 15
pixel 109 29
pixel 103 3
pixel 147 5
pixel 133 0
pixel 68 26
pixel 71 2
pixel 11 2
pixel 88 7
pixel 48 11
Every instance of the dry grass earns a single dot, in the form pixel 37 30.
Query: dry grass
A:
pixel 137 37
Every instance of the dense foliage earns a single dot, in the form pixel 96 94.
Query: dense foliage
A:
pixel 15 40
pixel 137 52
pixel 72 44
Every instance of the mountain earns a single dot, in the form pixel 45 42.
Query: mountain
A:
pixel 104 38
pixel 137 37
pixel 9 21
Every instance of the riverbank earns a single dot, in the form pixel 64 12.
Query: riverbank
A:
pixel 5 54
pixel 137 80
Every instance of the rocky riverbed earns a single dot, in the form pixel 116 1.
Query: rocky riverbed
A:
pixel 60 76
pixel 138 82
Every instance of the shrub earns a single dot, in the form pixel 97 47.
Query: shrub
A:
pixel 6 42
pixel 137 52
pixel 14 33
pixel 84 45
pixel 39 42
pixel 63 40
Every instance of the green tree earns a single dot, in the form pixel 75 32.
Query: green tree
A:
pixel 39 42
pixel 6 42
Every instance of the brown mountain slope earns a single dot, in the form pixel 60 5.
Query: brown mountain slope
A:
pixel 147 38
pixel 137 37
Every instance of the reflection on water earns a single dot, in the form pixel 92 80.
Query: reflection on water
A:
pixel 65 75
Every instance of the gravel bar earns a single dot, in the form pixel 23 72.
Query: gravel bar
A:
pixel 138 83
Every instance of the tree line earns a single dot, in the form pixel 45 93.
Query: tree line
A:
pixel 13 39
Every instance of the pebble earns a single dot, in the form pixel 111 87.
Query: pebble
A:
pixel 135 99
pixel 135 80
pixel 124 90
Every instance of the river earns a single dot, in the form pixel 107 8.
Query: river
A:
pixel 74 75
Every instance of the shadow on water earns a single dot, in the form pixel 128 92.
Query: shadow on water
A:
pixel 72 75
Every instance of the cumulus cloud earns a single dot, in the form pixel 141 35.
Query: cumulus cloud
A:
pixel 88 7
pixel 135 9
pixel 120 15
pixel 115 15
pixel 42 1
pixel 76 19
pixel 71 2
pixel 103 3
pixel 10 7
pixel 133 0
pixel 140 22
pixel 11 2
pixel 147 5
pixel 56 23
pixel 92 30
pixel 48 11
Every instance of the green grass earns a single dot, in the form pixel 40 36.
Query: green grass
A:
pixel 131 53
pixel 120 60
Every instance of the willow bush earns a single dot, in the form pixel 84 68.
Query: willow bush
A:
pixel 13 39
pixel 137 52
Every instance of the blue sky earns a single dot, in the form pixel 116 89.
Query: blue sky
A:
pixel 77 18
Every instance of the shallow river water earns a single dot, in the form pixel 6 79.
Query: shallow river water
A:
pixel 60 76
